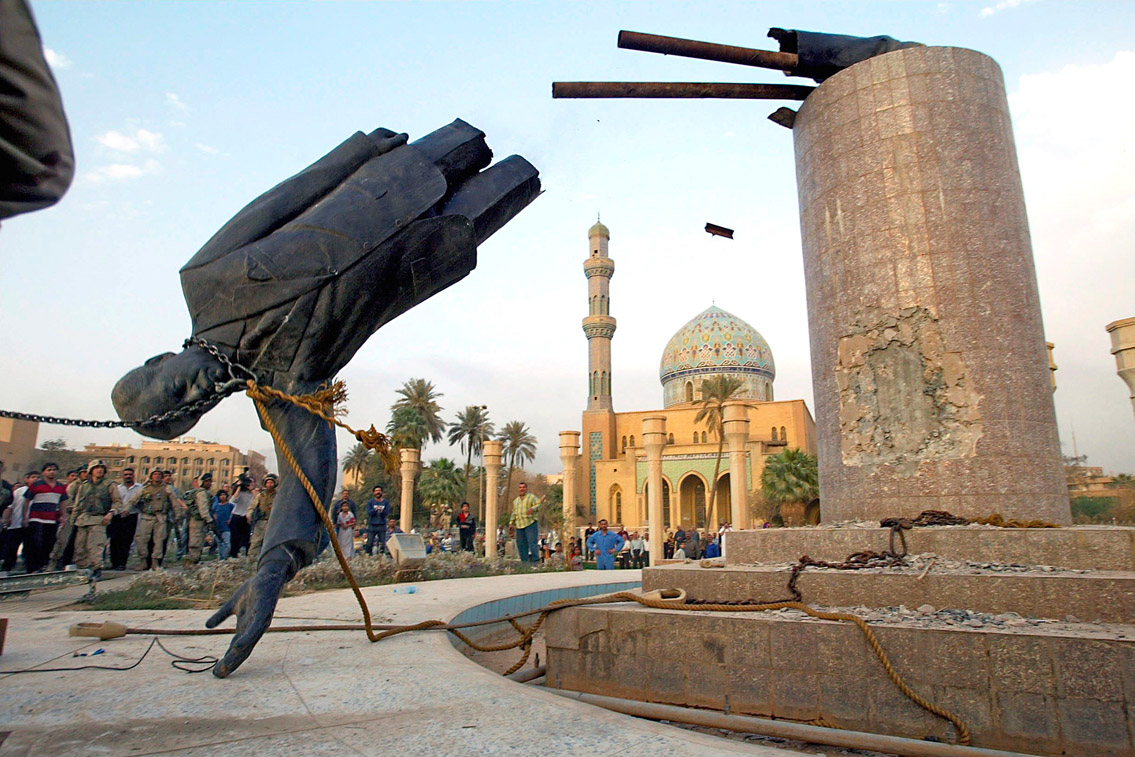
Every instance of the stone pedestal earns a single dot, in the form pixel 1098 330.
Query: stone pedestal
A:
pixel 929 363
pixel 736 425
pixel 653 440
pixel 1123 347
pixel 569 456
pixel 411 466
pixel 492 457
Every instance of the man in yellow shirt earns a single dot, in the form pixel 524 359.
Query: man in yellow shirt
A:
pixel 523 520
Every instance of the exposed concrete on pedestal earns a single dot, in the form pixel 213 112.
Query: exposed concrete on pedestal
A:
pixel 929 362
pixel 310 693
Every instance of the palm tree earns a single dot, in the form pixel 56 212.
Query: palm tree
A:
pixel 519 445
pixel 441 483
pixel 472 425
pixel 420 396
pixel 791 478
pixel 406 428
pixel 356 460
pixel 715 392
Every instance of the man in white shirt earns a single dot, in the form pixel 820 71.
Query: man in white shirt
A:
pixel 15 525
pixel 120 532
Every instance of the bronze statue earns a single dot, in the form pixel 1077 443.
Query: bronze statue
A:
pixel 293 286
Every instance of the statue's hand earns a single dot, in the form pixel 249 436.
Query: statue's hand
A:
pixel 254 603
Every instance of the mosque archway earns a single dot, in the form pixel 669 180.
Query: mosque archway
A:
pixel 723 503
pixel 617 504
pixel 691 496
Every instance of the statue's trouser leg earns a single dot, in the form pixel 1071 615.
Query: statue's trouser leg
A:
pixel 294 523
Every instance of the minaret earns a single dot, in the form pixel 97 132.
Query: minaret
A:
pixel 599 325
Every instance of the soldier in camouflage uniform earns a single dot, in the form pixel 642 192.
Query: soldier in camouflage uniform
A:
pixel 96 502
pixel 200 518
pixel 155 505
pixel 259 512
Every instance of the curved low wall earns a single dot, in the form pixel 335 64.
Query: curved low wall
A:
pixel 523 603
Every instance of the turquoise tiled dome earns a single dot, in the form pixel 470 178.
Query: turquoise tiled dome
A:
pixel 716 342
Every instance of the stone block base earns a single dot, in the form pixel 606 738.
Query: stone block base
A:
pixel 1033 691
pixel 1076 547
pixel 1102 596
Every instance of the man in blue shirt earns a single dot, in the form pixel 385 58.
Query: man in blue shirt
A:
pixel 222 514
pixel 378 510
pixel 605 544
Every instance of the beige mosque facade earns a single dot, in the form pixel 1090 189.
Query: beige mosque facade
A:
pixel 610 462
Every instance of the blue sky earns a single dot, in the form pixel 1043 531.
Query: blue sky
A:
pixel 183 112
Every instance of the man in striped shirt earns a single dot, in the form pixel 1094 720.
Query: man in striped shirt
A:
pixel 44 500
pixel 523 520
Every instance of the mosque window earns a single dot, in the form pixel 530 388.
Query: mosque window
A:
pixel 617 498
pixel 703 437
pixel 774 433
pixel 695 437
pixel 595 383
pixel 624 442
pixel 602 305
pixel 604 385
pixel 632 440
pixel 670 439
pixel 783 434
pixel 690 393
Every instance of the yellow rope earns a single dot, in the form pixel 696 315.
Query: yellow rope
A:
pixel 321 403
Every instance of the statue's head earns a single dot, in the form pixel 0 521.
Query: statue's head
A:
pixel 164 383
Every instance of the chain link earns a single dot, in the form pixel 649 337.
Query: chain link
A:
pixel 238 377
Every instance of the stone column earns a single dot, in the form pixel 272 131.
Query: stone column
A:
pixel 569 455
pixel 736 423
pixel 929 365
pixel 411 465
pixel 1123 347
pixel 492 457
pixel 653 440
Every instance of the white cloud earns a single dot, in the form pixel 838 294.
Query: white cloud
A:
pixel 55 59
pixel 1078 169
pixel 122 171
pixel 141 140
pixel 207 149
pixel 175 101
pixel 944 7
pixel 999 6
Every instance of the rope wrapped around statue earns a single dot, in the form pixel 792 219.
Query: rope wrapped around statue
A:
pixel 291 288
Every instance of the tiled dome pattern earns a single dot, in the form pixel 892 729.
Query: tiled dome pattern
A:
pixel 716 342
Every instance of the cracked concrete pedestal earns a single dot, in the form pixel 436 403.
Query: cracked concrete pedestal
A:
pixel 929 363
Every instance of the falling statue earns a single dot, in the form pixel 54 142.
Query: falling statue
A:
pixel 291 288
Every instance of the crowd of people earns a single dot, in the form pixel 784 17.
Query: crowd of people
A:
pixel 86 519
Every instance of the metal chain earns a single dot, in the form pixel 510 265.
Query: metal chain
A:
pixel 238 377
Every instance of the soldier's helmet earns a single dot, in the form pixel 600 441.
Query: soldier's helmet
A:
pixel 271 477
pixel 96 464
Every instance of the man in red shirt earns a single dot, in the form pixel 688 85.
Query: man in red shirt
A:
pixel 45 498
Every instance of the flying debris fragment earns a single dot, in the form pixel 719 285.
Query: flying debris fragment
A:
pixel 718 231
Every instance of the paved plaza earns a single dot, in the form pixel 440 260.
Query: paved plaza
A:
pixel 307 693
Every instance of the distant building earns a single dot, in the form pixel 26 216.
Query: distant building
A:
pixel 17 447
pixel 187 457
pixel 1091 481
pixel 611 475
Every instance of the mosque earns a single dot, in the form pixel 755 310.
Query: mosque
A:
pixel 609 475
